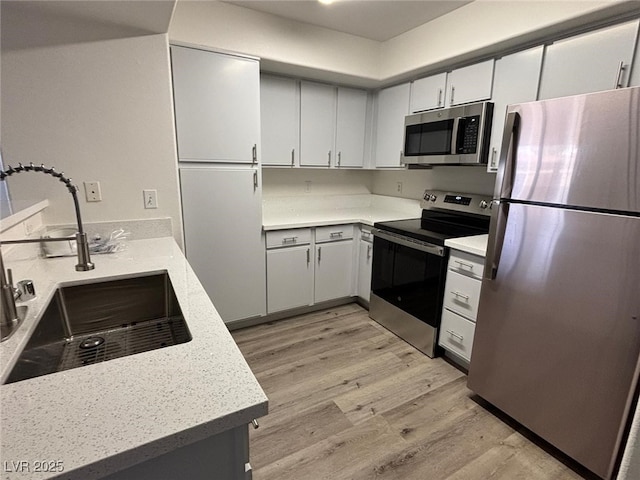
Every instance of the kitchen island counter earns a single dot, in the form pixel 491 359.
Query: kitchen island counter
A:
pixel 104 418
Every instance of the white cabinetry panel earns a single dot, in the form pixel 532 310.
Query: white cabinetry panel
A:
pixel 517 78
pixel 456 334
pixel 225 248
pixel 217 106
pixel 280 120
pixel 590 62
pixel 393 106
pixel 333 275
pixel 289 278
pixel 317 124
pixel 470 84
pixel 428 93
pixel 350 127
pixel 462 294
pixel 365 256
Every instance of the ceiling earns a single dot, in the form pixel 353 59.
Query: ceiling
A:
pixel 373 19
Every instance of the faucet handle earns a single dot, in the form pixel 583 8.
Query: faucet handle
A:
pixel 26 290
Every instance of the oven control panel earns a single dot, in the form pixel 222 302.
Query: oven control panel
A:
pixel 461 202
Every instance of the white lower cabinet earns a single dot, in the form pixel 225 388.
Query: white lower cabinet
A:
pixel 460 308
pixel 334 262
pixel 289 278
pixel 305 267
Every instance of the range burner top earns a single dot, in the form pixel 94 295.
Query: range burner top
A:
pixel 445 215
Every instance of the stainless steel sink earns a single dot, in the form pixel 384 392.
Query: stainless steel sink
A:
pixel 96 322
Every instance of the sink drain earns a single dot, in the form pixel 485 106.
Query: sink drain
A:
pixel 91 342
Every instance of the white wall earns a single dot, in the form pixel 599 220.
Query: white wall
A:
pixel 275 39
pixel 479 28
pixel 97 110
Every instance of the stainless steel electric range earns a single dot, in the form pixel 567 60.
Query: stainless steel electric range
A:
pixel 410 264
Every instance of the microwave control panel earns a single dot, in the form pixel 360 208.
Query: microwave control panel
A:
pixel 468 138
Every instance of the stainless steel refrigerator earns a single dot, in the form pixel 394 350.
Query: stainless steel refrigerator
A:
pixel 557 338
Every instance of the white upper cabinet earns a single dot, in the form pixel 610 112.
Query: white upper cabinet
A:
pixel 317 124
pixel 428 93
pixel 280 120
pixel 209 106
pixel 470 84
pixel 350 127
pixel 517 78
pixel 595 61
pixel 393 106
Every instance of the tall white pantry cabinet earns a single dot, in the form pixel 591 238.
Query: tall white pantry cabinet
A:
pixel 217 108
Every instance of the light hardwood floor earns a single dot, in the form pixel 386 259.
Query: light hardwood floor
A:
pixel 349 400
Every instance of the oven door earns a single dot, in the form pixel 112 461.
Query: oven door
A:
pixel 409 275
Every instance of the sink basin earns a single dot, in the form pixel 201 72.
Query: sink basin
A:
pixel 100 321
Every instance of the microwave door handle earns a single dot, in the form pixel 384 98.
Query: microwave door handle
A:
pixel 454 136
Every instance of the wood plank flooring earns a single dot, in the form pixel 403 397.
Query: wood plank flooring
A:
pixel 349 400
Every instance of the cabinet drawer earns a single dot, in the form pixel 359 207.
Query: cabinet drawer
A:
pixel 365 234
pixel 461 294
pixel 333 233
pixel 287 238
pixel 466 263
pixel 456 334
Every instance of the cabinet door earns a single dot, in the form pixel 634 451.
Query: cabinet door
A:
pixel 280 120
pixel 393 106
pixel 634 81
pixel 517 78
pixel 364 269
pixel 350 127
pixel 217 106
pixel 289 278
pixel 590 62
pixel 317 124
pixel 470 84
pixel 333 270
pixel 428 93
pixel 225 248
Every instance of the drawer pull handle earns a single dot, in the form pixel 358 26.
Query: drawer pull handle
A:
pixel 464 264
pixel 368 252
pixel 289 240
pixel 366 235
pixel 456 335
pixel 460 295
pixel 335 235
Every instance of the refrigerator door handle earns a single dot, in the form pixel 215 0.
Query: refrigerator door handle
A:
pixel 499 214
pixel 504 178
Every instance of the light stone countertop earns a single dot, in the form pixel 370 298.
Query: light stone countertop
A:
pixel 298 212
pixel 476 245
pixel 105 417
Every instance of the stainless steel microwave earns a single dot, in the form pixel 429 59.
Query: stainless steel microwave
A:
pixel 453 136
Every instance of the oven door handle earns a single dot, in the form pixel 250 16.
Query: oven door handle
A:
pixel 407 242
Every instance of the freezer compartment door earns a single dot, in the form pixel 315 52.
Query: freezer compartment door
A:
pixel 558 330
pixel 581 150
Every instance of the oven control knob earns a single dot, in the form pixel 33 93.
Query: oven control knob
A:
pixel 483 204
pixel 433 198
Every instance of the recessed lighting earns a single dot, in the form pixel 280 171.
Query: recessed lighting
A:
pixel 326 2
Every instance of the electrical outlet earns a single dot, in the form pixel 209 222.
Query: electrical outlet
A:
pixel 150 198
pixel 399 187
pixel 92 191
pixel 307 186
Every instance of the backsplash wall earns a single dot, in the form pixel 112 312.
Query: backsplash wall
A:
pixel 284 182
pixel 414 182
